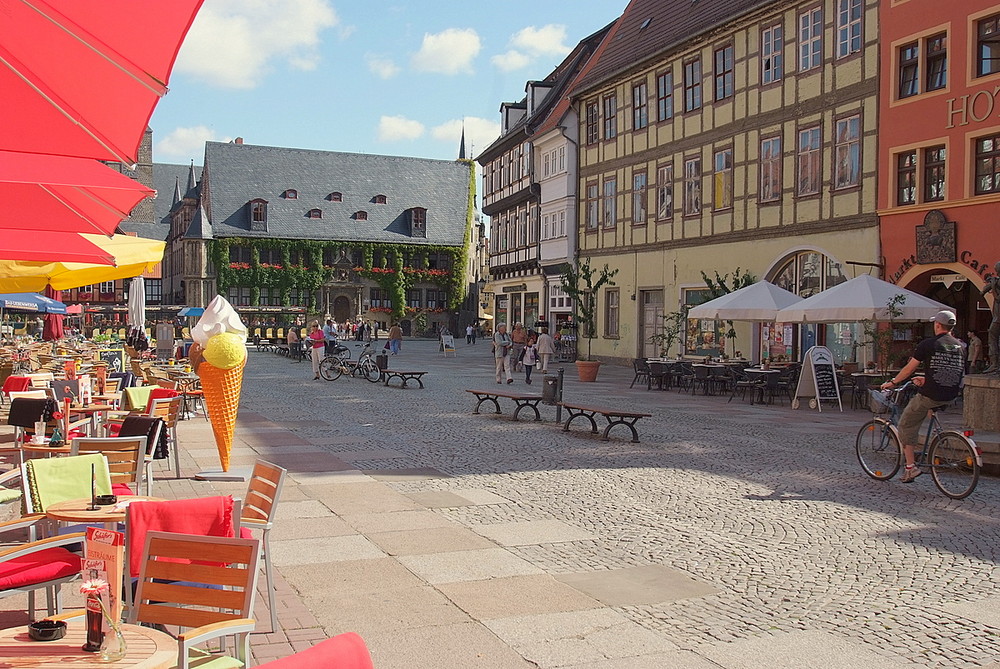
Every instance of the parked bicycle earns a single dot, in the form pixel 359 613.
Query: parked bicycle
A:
pixel 333 366
pixel 951 456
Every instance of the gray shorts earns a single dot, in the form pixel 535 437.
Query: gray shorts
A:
pixel 913 417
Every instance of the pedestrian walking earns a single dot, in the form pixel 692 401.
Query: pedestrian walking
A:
pixel 470 334
pixel 520 337
pixel 529 356
pixel 317 343
pixel 330 336
pixel 502 346
pixel 546 348
pixel 395 338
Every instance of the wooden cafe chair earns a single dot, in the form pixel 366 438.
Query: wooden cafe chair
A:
pixel 126 460
pixel 43 564
pixel 258 513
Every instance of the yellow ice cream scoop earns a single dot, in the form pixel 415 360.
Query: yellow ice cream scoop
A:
pixel 225 350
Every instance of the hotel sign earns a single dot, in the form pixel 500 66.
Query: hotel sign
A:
pixel 519 288
pixel 974 107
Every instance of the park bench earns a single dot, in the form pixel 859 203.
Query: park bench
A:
pixel 613 416
pixel 402 376
pixel 520 399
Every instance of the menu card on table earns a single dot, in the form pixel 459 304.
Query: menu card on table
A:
pixel 104 552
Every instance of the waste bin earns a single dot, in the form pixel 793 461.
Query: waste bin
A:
pixel 382 361
pixel 550 390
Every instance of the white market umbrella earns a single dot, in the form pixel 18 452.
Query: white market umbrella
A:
pixel 137 303
pixel 758 302
pixel 862 298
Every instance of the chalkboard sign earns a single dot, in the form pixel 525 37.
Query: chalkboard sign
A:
pixel 448 344
pixel 818 379
pixel 114 358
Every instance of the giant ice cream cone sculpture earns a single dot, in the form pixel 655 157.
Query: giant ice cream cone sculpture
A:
pixel 219 354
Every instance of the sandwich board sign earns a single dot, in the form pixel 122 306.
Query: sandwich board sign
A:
pixel 448 344
pixel 818 379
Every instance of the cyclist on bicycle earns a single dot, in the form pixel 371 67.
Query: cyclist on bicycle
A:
pixel 943 358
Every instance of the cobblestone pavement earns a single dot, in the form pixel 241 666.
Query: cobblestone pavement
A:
pixel 732 536
pixel 762 509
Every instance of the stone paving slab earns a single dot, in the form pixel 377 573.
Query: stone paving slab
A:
pixel 410 474
pixel 324 478
pixel 364 497
pixel 459 646
pixel 559 639
pixel 384 613
pixel 395 521
pixel 680 659
pixel 635 586
pixel 528 532
pixel 428 540
pixel 801 650
pixel 474 565
pixel 320 550
pixel 439 499
pixel 516 596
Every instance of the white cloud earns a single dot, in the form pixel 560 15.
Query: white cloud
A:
pixel 545 41
pixel 235 43
pixel 511 60
pixel 479 133
pixel 186 143
pixel 395 128
pixel 530 43
pixel 447 52
pixel 381 66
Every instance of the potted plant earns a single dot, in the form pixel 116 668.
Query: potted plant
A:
pixel 673 326
pixel 582 284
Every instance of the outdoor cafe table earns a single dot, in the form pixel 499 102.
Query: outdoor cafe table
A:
pixel 759 374
pixel 96 412
pixel 78 511
pixel 148 648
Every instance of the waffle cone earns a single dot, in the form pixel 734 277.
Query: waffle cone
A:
pixel 222 400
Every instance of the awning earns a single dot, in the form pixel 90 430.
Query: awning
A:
pixel 485 316
pixel 32 302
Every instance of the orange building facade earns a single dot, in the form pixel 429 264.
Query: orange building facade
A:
pixel 939 151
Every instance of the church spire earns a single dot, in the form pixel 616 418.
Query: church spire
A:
pixel 191 180
pixel 461 148
pixel 177 190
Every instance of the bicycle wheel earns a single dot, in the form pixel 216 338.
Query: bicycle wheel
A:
pixel 330 368
pixel 371 371
pixel 878 449
pixel 954 464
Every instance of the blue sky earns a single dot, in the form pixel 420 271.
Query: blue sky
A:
pixel 394 78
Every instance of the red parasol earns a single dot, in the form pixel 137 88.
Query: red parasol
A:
pixel 77 78
pixel 53 327
pixel 63 194
pixel 45 246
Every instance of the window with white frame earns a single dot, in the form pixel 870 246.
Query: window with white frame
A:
pixel 609 209
pixel 849 15
pixel 545 226
pixel 639 198
pixel 593 206
pixel 546 168
pixel 533 224
pixel 771 52
pixel 770 169
pixel 611 312
pixel 664 192
pixel 810 167
pixel 561 228
pixel 562 159
pixel 107 287
pixel 692 186
pixel 847 152
pixel 558 299
pixel 810 39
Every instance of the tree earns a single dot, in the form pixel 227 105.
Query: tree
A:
pixel 722 285
pixel 582 284
pixel 673 326
pixel 881 338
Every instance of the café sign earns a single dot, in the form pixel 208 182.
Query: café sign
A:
pixel 519 288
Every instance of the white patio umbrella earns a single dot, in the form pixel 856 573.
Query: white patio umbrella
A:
pixel 862 298
pixel 758 302
pixel 137 303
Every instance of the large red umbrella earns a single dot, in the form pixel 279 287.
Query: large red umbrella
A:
pixel 52 329
pixel 82 78
pixel 46 246
pixel 64 194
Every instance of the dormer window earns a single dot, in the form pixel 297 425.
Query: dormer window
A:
pixel 290 194
pixel 315 213
pixel 361 215
pixel 335 197
pixel 257 213
pixel 418 221
pixel 379 199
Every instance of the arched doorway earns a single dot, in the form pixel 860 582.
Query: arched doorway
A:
pixel 806 272
pixel 957 290
pixel 342 309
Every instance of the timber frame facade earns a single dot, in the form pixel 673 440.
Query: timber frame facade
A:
pixel 721 136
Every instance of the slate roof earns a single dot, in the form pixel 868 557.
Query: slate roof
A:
pixel 238 173
pixel 671 23
pixel 165 179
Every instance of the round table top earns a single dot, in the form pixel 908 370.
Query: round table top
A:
pixel 90 408
pixel 147 649
pixel 77 511
pixel 45 448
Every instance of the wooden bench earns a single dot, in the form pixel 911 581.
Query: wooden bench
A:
pixel 402 376
pixel 521 400
pixel 613 416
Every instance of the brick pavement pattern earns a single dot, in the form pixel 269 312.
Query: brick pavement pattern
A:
pixel 733 536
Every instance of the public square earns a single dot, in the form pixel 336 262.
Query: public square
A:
pixel 734 535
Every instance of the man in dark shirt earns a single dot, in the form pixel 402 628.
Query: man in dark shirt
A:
pixel 943 358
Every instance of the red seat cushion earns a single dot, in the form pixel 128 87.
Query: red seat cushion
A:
pixel 344 651
pixel 121 489
pixel 17 384
pixel 245 533
pixel 39 567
